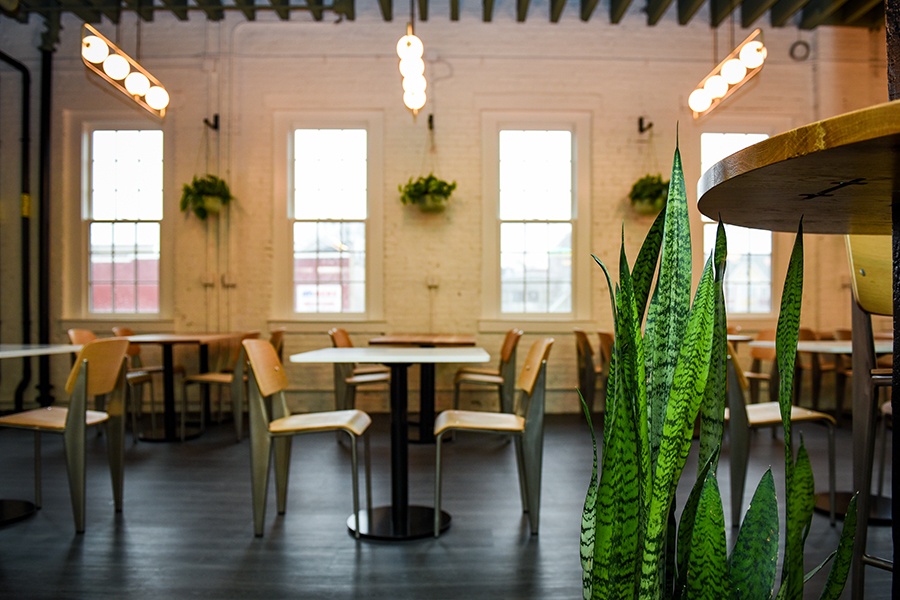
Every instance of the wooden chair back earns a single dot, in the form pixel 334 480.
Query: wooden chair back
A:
pixel 266 368
pixel 276 338
pixel 340 338
pixel 510 343
pixel 870 272
pixel 79 337
pixel 584 363
pixel 764 353
pixel 531 370
pixel 105 358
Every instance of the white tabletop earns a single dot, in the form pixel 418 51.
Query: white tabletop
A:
pixel 23 350
pixel 393 355
pixel 828 346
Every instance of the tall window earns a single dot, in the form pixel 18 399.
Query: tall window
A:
pixel 748 272
pixel 124 210
pixel 536 198
pixel 329 211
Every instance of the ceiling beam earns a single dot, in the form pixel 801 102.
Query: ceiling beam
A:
pixel 346 8
pixel 423 10
pixel 617 10
pixel 213 9
pixel 751 10
pixel 556 9
pixel 247 7
pixel 487 10
pixel 111 11
pixel 143 8
pixel 387 9
pixel 783 10
pixel 865 11
pixel 687 9
pixel 454 10
pixel 522 10
pixel 587 8
pixel 86 14
pixel 818 11
pixel 719 10
pixel 656 9
pixel 315 7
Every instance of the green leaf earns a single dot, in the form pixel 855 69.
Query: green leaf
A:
pixel 800 490
pixel 708 560
pixel 686 527
pixel 753 562
pixel 645 265
pixel 712 410
pixel 786 339
pixel 843 558
pixel 589 514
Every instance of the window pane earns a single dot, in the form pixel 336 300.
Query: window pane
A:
pixel 535 175
pixel 330 205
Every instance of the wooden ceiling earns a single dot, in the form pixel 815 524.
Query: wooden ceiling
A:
pixel 803 14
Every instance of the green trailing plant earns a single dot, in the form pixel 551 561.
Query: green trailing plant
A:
pixel 205 196
pixel 429 193
pixel 648 194
pixel 662 378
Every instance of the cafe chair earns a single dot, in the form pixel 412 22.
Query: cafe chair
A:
pixel 135 380
pixel 815 364
pixel 758 373
pixel 593 375
pixel 349 376
pixel 742 417
pixel 870 279
pixel 267 386
pixel 99 370
pixel 138 364
pixel 525 424
pixel 228 372
pixel 502 378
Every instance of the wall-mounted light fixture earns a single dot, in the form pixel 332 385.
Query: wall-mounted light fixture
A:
pixel 741 65
pixel 410 50
pixel 121 71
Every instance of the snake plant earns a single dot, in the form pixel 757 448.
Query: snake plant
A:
pixel 663 377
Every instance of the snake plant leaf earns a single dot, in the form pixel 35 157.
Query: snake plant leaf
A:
pixel 645 265
pixel 609 285
pixel 686 528
pixel 708 557
pixel 843 557
pixel 786 338
pixel 670 305
pixel 589 514
pixel 712 410
pixel 688 384
pixel 800 491
pixel 753 562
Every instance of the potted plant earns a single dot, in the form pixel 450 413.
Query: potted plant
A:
pixel 669 368
pixel 205 196
pixel 429 193
pixel 648 194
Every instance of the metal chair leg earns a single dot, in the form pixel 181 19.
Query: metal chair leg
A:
pixel 437 484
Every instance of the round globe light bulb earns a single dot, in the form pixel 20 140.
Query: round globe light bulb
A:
pixel 753 54
pixel 733 71
pixel 137 83
pixel 414 84
pixel 93 49
pixel 410 46
pixel 116 67
pixel 716 86
pixel 414 100
pixel 699 100
pixel 157 98
pixel 412 67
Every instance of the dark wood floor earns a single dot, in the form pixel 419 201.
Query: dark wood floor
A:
pixel 186 530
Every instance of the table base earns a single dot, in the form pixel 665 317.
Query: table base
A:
pixel 879 507
pixel 15 510
pixel 380 526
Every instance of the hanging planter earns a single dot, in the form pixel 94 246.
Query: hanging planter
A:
pixel 648 194
pixel 429 193
pixel 205 196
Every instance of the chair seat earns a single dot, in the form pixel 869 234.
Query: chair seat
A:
pixel 368 378
pixel 369 369
pixel 485 378
pixel 464 372
pixel 354 421
pixel 769 413
pixel 49 419
pixel 478 421
pixel 223 378
pixel 138 377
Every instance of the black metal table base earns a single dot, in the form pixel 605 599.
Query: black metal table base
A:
pixel 879 507
pixel 15 510
pixel 381 526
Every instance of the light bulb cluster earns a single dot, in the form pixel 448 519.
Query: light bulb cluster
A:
pixel 735 70
pixel 410 50
pixel 109 62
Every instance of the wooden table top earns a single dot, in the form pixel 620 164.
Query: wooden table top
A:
pixel 178 338
pixel 423 339
pixel 828 346
pixel 838 174
pixel 23 350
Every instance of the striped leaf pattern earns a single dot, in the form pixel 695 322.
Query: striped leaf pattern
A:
pixel 686 529
pixel 670 305
pixel 843 558
pixel 800 491
pixel 708 559
pixel 786 338
pixel 712 411
pixel 645 265
pixel 589 514
pixel 753 562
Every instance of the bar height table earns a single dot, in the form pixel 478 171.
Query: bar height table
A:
pixel 399 521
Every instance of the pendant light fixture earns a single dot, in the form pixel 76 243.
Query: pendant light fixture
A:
pixel 412 67
pixel 739 67
pixel 121 71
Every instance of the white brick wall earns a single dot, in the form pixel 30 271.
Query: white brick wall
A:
pixel 246 71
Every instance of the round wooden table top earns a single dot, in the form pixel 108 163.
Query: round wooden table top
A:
pixel 838 174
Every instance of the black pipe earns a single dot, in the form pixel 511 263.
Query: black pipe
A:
pixel 45 396
pixel 25 223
